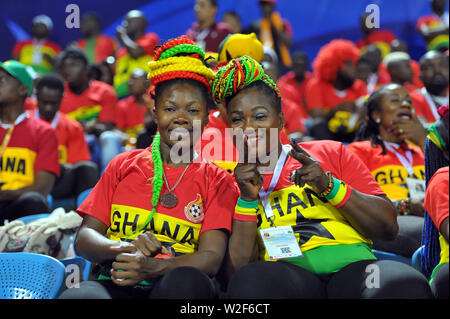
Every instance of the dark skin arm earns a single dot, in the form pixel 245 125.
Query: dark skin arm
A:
pixel 135 259
pixel 373 216
pixel 444 229
pixel 243 240
pixel 411 130
pixel 43 184
pixel 136 266
pixel 92 244
pixel 132 47
pixel 96 128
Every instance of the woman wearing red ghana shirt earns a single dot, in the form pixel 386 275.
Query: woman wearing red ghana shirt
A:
pixel 148 205
pixel 396 165
pixel 330 217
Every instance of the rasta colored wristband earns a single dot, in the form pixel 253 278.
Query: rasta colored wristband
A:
pixel 245 210
pixel 340 193
pixel 246 204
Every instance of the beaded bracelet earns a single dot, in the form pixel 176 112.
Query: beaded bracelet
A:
pixel 329 187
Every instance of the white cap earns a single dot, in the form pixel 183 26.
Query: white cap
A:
pixel 42 18
pixel 395 57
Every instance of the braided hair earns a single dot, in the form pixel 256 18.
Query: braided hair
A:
pixel 368 128
pixel 436 156
pixel 239 74
pixel 177 59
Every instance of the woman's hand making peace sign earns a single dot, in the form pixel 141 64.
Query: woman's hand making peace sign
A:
pixel 311 172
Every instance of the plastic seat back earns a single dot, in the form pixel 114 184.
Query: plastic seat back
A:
pixel 30 276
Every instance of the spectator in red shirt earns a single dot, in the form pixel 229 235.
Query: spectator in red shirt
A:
pixel 274 32
pixel 207 32
pixel 39 51
pixel 131 111
pixel 434 27
pixel 293 84
pixel 78 173
pixel 435 76
pixel 29 149
pixel 398 65
pixel 97 46
pixel 137 51
pixel 233 20
pixel 371 35
pixel 334 94
pixel 371 70
pixel 90 102
pixel 401 46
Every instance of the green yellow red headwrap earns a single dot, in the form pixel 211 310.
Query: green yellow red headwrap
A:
pixel 237 75
pixel 179 58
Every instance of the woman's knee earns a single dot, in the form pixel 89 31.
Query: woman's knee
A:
pixel 264 279
pixel 184 282
pixel 439 285
pixel 379 279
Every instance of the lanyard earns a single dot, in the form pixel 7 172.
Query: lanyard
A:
pixel 431 103
pixel 6 140
pixel 54 121
pixel 8 134
pixel 264 194
pixel 407 161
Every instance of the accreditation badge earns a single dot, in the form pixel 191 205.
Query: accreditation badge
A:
pixel 280 242
pixel 416 188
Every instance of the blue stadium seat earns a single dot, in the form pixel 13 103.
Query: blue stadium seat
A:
pixel 30 276
pixel 383 255
pixel 416 257
pixel 83 196
pixel 86 269
pixel 81 263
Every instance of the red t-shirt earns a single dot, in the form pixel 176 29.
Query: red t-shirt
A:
pixel 72 145
pixel 381 38
pixel 322 94
pixel 336 158
pixel 293 97
pixel 436 196
pixel 387 169
pixel 32 147
pixel 130 115
pixel 424 108
pixel 122 201
pixel 24 51
pixel 98 101
pixel 212 39
pixel 103 47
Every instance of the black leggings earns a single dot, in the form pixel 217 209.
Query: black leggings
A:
pixel 439 285
pixel 276 280
pixel 180 283
pixel 29 203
